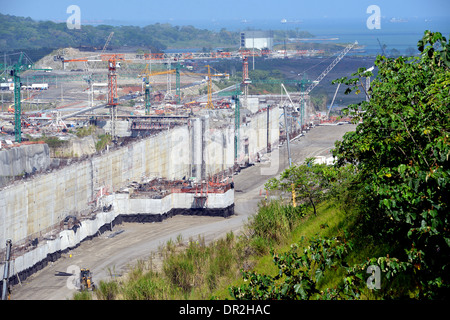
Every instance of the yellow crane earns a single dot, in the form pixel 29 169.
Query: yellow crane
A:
pixel 209 103
pixel 147 75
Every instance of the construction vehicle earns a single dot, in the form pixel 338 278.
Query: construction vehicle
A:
pixel 86 282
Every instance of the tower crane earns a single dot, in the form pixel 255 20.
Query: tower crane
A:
pixel 89 76
pixel 245 79
pixel 15 70
pixel 178 66
pixel 209 75
pixel 147 74
pixel 112 100
pixel 209 104
pixel 382 47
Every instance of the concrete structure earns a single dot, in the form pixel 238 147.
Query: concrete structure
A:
pixel 257 131
pixel 23 160
pixel 257 39
pixel 36 206
pixel 125 209
pixel 122 127
pixel 56 210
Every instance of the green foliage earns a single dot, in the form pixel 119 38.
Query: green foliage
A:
pixel 82 295
pixel 187 272
pixel 53 142
pixel 273 224
pixel 436 41
pixel 199 266
pixel 107 290
pixel 308 180
pixel 401 150
pixel 85 131
pixel 319 99
pixel 299 273
pixel 103 140
pixel 146 286
pixel 395 167
pixel 25 33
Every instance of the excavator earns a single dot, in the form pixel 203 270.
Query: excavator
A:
pixel 86 282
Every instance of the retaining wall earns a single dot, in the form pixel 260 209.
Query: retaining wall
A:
pixel 24 159
pixel 125 209
pixel 33 207
pixel 253 135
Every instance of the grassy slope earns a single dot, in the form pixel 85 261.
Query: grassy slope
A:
pixel 207 271
pixel 330 220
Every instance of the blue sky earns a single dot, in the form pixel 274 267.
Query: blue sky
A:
pixel 143 12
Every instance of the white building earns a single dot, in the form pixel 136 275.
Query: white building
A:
pixel 256 39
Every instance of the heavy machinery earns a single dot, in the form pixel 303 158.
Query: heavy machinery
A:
pixel 86 282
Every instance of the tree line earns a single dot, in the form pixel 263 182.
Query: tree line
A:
pixel 26 33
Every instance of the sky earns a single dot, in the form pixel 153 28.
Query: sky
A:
pixel 179 12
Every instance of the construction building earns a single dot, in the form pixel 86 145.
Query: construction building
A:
pixel 257 40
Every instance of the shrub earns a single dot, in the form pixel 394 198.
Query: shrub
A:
pixel 273 223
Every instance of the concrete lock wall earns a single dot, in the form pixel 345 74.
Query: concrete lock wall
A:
pixel 218 149
pixel 34 207
pixel 123 206
pixel 253 134
pixel 24 159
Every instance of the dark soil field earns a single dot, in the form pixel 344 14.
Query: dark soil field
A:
pixel 312 67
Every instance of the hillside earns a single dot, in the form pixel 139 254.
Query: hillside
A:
pixel 39 38
pixel 25 33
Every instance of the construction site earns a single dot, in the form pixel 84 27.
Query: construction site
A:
pixel 94 140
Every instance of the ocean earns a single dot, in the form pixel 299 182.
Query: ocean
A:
pixel 401 35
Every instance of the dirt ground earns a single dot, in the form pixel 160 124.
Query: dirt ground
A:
pixel 111 253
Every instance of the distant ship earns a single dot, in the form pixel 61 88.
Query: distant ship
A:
pixel 311 39
pixel 293 21
pixel 396 20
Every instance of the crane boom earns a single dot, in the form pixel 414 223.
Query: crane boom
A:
pixel 332 101
pixel 328 69
pixel 107 42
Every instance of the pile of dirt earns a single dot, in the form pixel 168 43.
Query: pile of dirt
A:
pixel 69 53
